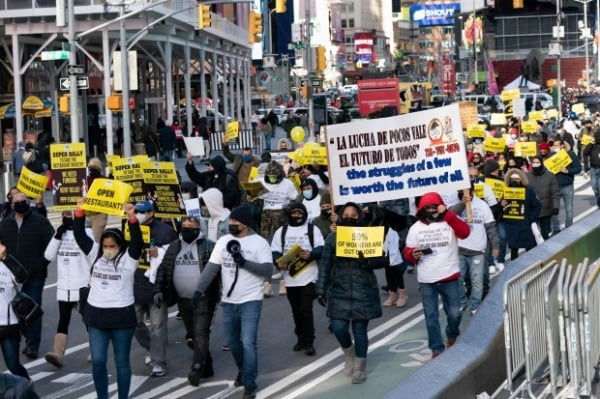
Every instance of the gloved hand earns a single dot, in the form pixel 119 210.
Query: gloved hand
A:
pixel 60 231
pixel 364 262
pixel 322 301
pixel 239 260
pixel 158 299
pixel 555 211
pixel 196 299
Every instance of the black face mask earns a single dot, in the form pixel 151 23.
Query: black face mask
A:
pixel 297 221
pixel 433 216
pixel 537 170
pixel 234 229
pixel 21 206
pixel 325 213
pixel 94 172
pixel 514 183
pixel 189 235
pixel 348 222
pixel 67 222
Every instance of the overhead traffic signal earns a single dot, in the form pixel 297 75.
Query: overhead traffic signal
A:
pixel 321 61
pixel 63 103
pixel 254 27
pixel 280 6
pixel 204 16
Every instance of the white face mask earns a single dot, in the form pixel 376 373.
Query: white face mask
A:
pixel 185 196
pixel 111 254
pixel 141 217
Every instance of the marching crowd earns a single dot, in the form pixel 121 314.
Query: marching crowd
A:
pixel 226 259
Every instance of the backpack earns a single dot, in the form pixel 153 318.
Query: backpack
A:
pixel 311 235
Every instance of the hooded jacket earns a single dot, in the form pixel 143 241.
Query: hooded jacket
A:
pixel 350 287
pixel 218 220
pixel 313 205
pixel 222 179
pixel 546 189
pixel 518 232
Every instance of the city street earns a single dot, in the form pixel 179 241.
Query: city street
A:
pixel 398 346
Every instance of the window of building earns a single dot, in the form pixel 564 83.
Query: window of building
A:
pixel 349 39
pixel 426 44
pixel 344 24
pixel 425 31
pixel 351 23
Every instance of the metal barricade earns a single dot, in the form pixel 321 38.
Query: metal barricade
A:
pixel 244 139
pixel 534 335
pixel 513 324
pixel 573 333
pixel 553 324
pixel 591 327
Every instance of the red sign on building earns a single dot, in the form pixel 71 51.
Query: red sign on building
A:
pixel 448 77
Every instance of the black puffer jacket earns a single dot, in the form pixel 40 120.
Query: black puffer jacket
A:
pixel 28 243
pixel 164 275
pixel 222 179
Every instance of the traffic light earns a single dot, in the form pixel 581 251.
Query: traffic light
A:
pixel 280 6
pixel 63 105
pixel 517 3
pixel 254 27
pixel 204 16
pixel 321 61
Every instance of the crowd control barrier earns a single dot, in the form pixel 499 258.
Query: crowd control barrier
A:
pixel 537 333
pixel 245 139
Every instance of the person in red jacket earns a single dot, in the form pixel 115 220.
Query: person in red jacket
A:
pixel 432 244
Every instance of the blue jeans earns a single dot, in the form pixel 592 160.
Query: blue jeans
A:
pixel 10 352
pixel 240 322
pixel 359 330
pixel 450 293
pixel 34 287
pixel 121 341
pixel 595 182
pixel 267 141
pixel 566 194
pixel 166 156
pixel 474 266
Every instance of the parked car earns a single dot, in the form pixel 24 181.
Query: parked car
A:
pixel 591 101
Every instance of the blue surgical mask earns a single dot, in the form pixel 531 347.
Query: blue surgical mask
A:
pixel 247 158
pixel 307 194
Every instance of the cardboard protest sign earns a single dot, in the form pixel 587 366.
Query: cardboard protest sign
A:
pixel 107 196
pixel 398 157
pixel 476 131
pixel 578 108
pixel 493 144
pixel 233 131
pixel 162 186
pixel 68 164
pixel 110 159
pixel 510 94
pixel 519 109
pixel 350 240
pixel 497 186
pixel 468 113
pixel 558 161
pixel 478 190
pixel 31 184
pixel 130 170
pixel 295 264
pixel 195 145
pixel 529 126
pixel 515 209
pixel 192 207
pixel 552 113
pixel 146 238
pixel 498 120
pixel 525 149
pixel 536 116
pixel 313 153
pixel 586 139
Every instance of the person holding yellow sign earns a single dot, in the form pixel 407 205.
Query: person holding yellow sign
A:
pixel 348 288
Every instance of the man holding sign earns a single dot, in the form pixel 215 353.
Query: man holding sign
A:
pixel 432 244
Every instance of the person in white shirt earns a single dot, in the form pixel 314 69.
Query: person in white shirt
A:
pixel 109 311
pixel 72 273
pixel 311 198
pixel 243 259
pixel 301 273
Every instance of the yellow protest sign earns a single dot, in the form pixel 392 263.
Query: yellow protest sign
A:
pixel 529 126
pixel 558 161
pixel 468 113
pixel 67 156
pixel 253 175
pixel 297 156
pixel 493 144
pixel 127 169
pixel 107 196
pixel 511 94
pixel 110 159
pixel 146 238
pixel 498 120
pixel 313 153
pixel 552 113
pixel 297 180
pixel 32 184
pixel 578 108
pixel 478 190
pixel 536 116
pixel 586 139
pixel 476 131
pixel 497 186
pixel 159 173
pixel 350 240
pixel 516 203
pixel 525 149
pixel 140 158
pixel 233 130
pixel 162 186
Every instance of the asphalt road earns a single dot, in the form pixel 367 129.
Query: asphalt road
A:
pixel 397 347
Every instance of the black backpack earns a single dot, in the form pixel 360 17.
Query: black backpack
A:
pixel 311 235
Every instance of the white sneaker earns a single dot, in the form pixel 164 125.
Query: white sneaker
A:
pixel 492 269
pixel 499 266
pixel 147 359
pixel 158 370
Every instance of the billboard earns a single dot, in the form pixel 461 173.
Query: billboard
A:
pixel 434 14
pixel 363 47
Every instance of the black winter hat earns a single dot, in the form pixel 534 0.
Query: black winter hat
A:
pixel 242 214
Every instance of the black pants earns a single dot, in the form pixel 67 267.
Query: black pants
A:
pixel 514 252
pixel 394 276
pixel 197 325
pixel 65 309
pixel 545 226
pixel 301 300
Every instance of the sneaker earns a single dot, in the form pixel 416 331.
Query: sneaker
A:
pixel 178 316
pixel 225 348
pixel 190 343
pixel 499 266
pixel 298 347
pixel 194 377
pixel 158 370
pixel 147 359
pixel 30 353
pixel 492 269
pixel 451 342
pixel 310 351
pixel 410 269
pixel 267 289
pixel 249 392
pixel 238 380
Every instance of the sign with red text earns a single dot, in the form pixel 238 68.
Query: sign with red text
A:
pixel 398 157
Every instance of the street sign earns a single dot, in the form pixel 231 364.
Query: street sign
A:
pixel 315 83
pixel 75 69
pixel 55 55
pixel 82 83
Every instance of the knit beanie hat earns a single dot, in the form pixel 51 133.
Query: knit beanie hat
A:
pixel 242 214
pixel 490 167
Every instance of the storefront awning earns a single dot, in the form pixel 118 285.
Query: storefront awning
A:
pixel 7 111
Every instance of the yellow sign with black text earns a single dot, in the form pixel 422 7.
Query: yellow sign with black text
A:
pixel 32 184
pixel 350 240
pixel 107 196
pixel 67 156
pixel 558 161
pixel 515 208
